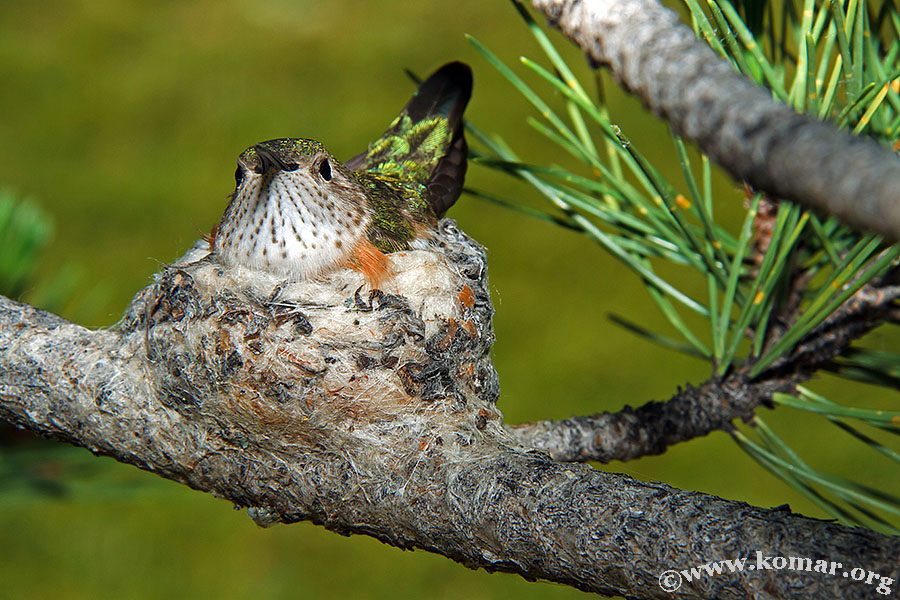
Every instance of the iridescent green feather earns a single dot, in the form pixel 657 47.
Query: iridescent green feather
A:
pixel 422 155
pixel 397 204
pixel 410 150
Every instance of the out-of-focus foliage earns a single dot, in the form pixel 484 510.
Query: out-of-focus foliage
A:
pixel 25 230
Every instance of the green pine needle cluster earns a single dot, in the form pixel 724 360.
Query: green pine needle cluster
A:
pixel 837 60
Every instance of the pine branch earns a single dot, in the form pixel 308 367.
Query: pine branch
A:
pixel 375 415
pixel 783 293
pixel 734 121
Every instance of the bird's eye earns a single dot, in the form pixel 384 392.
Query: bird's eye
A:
pixel 325 169
pixel 238 176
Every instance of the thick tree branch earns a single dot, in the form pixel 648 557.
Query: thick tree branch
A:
pixel 734 121
pixel 375 414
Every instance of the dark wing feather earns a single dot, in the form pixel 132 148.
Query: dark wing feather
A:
pixel 448 177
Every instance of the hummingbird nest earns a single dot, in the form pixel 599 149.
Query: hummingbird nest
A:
pixel 401 374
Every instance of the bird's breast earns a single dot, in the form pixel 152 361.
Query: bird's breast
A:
pixel 289 228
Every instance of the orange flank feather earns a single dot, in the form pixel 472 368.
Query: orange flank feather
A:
pixel 370 261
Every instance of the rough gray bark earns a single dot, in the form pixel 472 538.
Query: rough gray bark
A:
pixel 375 414
pixel 734 121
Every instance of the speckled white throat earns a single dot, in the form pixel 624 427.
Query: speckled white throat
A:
pixel 297 223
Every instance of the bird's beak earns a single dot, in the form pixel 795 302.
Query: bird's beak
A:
pixel 267 162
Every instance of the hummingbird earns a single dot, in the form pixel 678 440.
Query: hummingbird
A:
pixel 298 212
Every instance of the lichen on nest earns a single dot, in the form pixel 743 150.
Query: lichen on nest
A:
pixel 328 362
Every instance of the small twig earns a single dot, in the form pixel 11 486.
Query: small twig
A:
pixel 651 428
pixel 695 412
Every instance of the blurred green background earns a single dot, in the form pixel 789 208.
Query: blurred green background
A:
pixel 123 120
